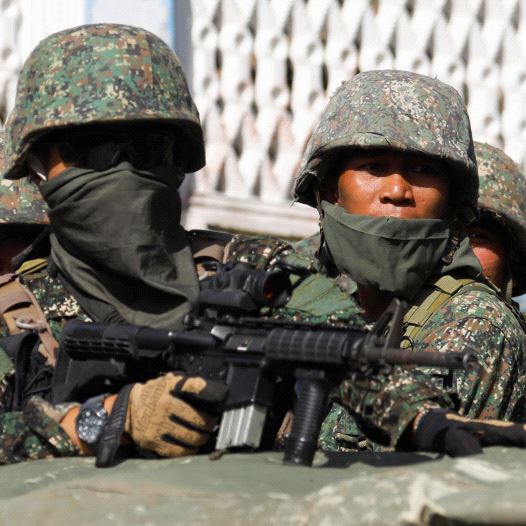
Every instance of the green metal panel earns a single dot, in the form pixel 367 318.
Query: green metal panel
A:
pixel 355 488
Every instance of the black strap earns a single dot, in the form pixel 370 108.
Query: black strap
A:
pixel 111 436
pixel 32 376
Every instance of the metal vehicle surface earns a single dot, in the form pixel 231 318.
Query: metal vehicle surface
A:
pixel 345 488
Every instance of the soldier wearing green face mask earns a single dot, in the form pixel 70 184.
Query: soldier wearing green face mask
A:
pixel 497 236
pixel 392 171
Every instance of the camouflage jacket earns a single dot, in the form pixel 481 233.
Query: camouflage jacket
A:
pixel 35 432
pixel 475 319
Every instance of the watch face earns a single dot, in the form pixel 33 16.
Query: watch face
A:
pixel 90 424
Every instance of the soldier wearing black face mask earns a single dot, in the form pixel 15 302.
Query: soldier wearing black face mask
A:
pixel 104 121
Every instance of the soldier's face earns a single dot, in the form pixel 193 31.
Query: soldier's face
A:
pixel 490 248
pixel 390 183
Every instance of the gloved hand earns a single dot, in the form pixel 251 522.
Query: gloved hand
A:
pixel 443 431
pixel 173 415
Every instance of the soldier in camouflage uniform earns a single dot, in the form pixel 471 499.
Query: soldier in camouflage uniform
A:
pixel 104 119
pixel 392 171
pixel 498 239
pixel 103 116
pixel 498 236
pixel 23 216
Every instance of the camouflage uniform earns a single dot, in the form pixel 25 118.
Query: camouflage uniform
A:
pixel 502 198
pixel 416 114
pixel 20 201
pixel 87 75
pixel 23 432
pixel 46 103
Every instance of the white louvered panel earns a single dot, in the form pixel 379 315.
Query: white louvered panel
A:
pixel 10 56
pixel 262 71
pixel 303 49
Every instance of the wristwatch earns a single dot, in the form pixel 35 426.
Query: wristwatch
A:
pixel 91 420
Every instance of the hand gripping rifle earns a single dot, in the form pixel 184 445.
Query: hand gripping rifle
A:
pixel 252 355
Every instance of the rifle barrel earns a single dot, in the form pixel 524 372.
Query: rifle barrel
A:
pixel 448 360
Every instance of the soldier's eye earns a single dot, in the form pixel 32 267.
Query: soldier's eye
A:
pixel 424 169
pixel 478 235
pixel 427 169
pixel 371 167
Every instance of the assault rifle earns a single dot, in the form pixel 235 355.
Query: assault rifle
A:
pixel 262 361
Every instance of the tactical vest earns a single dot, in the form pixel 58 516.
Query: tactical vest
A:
pixel 344 434
pixel 21 311
pixel 430 298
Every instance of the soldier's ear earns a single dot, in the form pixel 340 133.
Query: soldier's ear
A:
pixel 329 192
pixel 333 198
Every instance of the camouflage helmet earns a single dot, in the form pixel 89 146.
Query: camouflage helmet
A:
pixel 502 193
pixel 397 110
pixel 20 201
pixel 100 74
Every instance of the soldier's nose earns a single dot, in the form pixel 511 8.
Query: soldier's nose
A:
pixel 396 190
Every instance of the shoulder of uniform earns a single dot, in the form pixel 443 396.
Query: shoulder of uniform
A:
pixel 52 296
pixel 308 246
pixel 480 301
pixel 319 299
pixel 258 251
pixel 209 244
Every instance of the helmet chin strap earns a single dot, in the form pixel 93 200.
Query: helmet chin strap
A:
pixel 451 247
pixel 456 225
pixel 508 293
pixel 37 166
pixel 508 289
pixel 323 254
pixel 320 221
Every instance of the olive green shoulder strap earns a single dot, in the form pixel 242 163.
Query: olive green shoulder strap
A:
pixel 432 297
pixel 31 266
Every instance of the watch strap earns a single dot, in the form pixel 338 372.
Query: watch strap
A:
pixel 94 403
pixel 110 440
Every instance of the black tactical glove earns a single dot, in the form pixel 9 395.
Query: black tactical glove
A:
pixel 443 431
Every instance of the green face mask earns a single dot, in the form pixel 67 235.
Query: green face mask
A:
pixel 394 255
pixel 118 238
